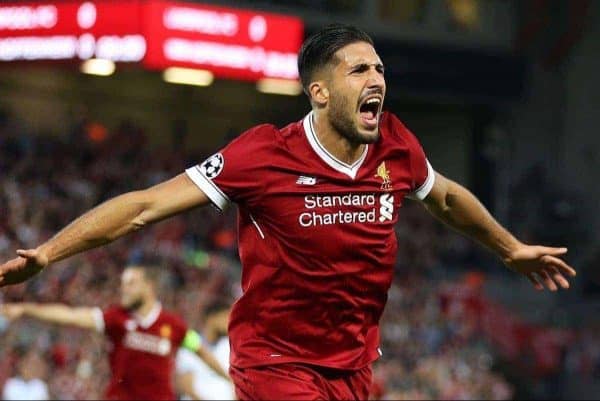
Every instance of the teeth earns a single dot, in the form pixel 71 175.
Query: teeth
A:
pixel 370 101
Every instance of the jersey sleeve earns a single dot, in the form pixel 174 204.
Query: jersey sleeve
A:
pixel 98 316
pixel 111 323
pixel 423 175
pixel 234 174
pixel 180 332
pixel 184 361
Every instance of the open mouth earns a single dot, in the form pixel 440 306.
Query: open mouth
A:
pixel 369 111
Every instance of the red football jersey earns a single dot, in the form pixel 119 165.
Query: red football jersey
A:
pixel 316 239
pixel 142 354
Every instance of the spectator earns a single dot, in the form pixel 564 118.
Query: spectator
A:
pixel 29 383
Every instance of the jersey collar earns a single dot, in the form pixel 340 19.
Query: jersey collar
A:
pixel 332 161
pixel 150 318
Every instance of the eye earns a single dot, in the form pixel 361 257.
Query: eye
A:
pixel 359 69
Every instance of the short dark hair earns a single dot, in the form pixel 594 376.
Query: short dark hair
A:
pixel 152 272
pixel 319 49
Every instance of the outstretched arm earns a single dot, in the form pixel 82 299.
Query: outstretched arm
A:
pixel 212 362
pixel 105 223
pixel 185 385
pixel 460 209
pixel 52 313
pixel 193 342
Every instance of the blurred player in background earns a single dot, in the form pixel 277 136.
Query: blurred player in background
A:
pixel 318 201
pixel 144 337
pixel 194 376
pixel 28 384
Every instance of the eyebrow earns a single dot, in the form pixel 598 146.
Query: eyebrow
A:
pixel 361 64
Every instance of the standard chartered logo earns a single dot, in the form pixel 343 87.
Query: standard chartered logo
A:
pixel 387 207
pixel 345 209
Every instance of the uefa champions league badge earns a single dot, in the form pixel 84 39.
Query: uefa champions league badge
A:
pixel 213 166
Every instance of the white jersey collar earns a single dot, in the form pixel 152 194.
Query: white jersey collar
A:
pixel 332 161
pixel 150 318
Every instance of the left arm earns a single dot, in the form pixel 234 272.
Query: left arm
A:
pixel 212 362
pixel 460 209
pixel 193 342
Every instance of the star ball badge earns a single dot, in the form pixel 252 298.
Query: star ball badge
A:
pixel 213 166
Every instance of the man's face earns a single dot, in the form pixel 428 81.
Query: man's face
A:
pixel 356 92
pixel 134 288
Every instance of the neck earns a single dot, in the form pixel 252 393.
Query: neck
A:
pixel 146 307
pixel 332 140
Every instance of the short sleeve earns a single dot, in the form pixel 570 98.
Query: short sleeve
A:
pixel 112 323
pixel 184 361
pixel 180 332
pixel 98 320
pixel 422 174
pixel 234 173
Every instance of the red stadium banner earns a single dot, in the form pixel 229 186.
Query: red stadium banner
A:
pixel 65 30
pixel 231 43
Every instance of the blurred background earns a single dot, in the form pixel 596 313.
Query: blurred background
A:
pixel 503 94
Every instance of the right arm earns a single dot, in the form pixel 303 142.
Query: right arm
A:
pixel 82 317
pixel 105 223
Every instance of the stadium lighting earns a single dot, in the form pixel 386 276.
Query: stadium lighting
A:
pixel 98 66
pixel 188 76
pixel 279 86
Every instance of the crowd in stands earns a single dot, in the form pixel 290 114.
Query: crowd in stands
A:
pixel 47 181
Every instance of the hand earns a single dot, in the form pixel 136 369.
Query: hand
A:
pixel 28 264
pixel 12 311
pixel 541 265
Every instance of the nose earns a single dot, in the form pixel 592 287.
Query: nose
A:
pixel 375 80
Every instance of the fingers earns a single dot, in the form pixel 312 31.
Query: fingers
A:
pixel 559 278
pixel 548 281
pixel 559 264
pixel 543 266
pixel 555 269
pixel 27 253
pixel 7 268
pixel 548 277
pixel 538 286
pixel 548 250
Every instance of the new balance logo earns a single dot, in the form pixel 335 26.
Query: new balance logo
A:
pixel 304 180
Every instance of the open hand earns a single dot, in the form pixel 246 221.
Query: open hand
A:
pixel 27 264
pixel 542 265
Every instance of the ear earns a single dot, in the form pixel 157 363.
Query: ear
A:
pixel 319 92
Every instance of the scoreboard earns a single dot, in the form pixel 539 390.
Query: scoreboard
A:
pixel 231 43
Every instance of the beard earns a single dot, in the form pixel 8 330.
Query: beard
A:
pixel 343 122
pixel 134 305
